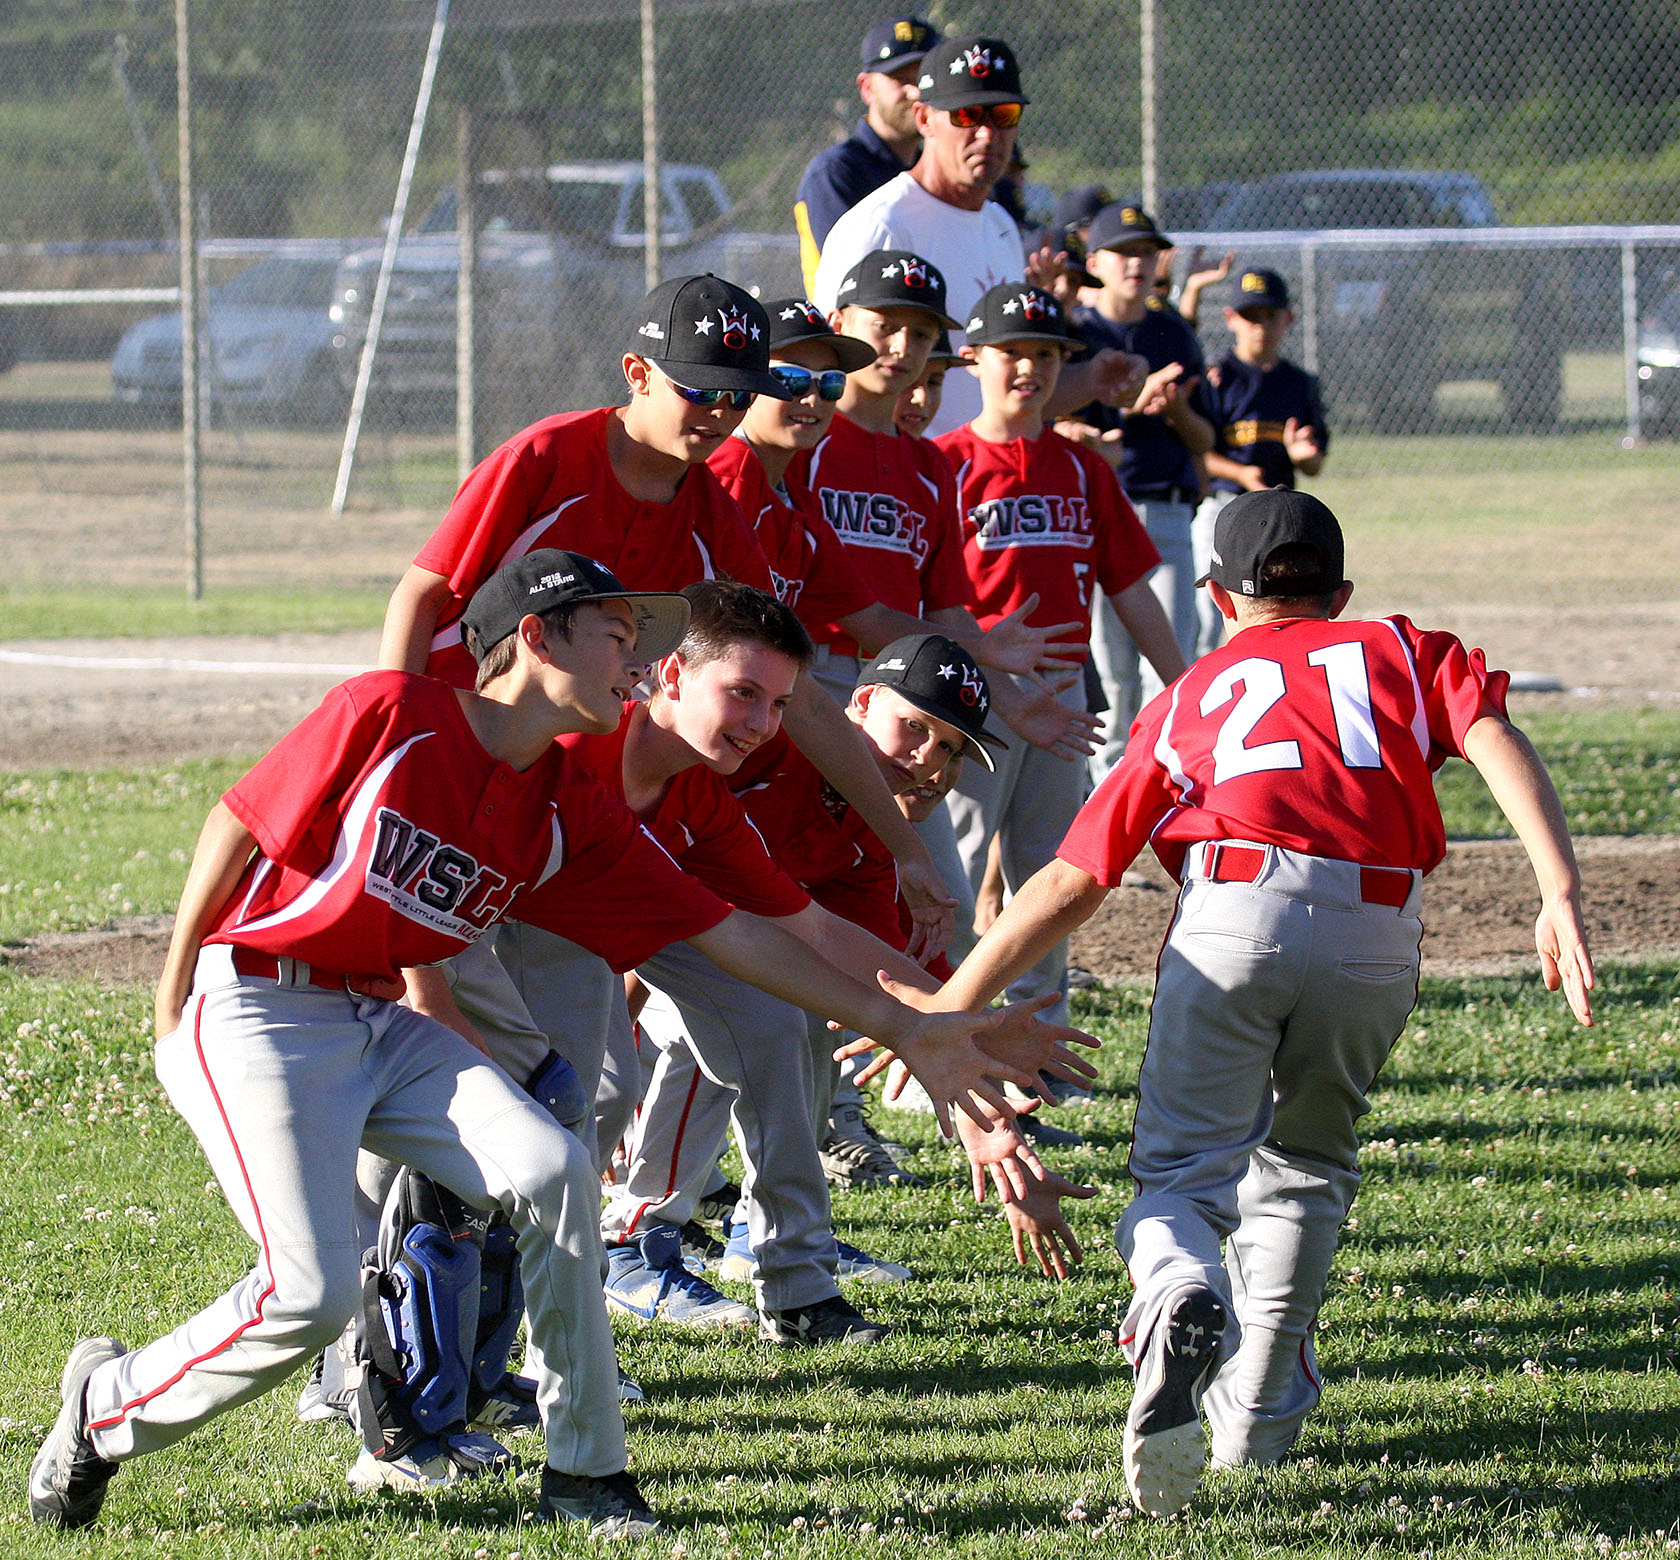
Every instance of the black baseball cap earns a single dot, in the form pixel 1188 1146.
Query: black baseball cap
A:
pixel 798 319
pixel 902 41
pixel 1122 224
pixel 1254 525
pixel 1017 311
pixel 943 352
pixel 1072 245
pixel 1079 205
pixel 964 71
pixel 895 279
pixel 941 679
pixel 548 578
pixel 706 334
pixel 1261 289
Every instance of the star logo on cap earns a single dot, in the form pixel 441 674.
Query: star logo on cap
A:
pixel 792 313
pixel 890 270
pixel 957 67
pixel 947 671
pixel 755 333
pixel 1011 305
pixel 703 327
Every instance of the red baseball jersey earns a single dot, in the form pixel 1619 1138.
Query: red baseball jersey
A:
pixel 388 837
pixel 1322 737
pixel 553 486
pixel 1043 515
pixel 700 824
pixel 811 571
pixel 892 502
pixel 818 838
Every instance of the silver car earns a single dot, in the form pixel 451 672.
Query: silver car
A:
pixel 268 343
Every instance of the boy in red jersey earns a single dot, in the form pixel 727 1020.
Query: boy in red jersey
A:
pixel 629 485
pixel 387 832
pixel 1286 780
pixel 1041 517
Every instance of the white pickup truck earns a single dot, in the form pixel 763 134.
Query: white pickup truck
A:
pixel 561 269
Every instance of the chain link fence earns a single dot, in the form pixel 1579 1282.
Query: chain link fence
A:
pixel 1520 289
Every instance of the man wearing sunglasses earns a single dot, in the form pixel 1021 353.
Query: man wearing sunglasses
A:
pixel 969 106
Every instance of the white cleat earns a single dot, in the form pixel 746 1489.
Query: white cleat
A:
pixel 1165 1451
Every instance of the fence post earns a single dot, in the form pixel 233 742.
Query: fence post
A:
pixel 1148 154
pixel 1309 308
pixel 467 420
pixel 1630 343
pixel 651 226
pixel 190 446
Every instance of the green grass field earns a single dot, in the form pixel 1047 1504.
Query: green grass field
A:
pixel 1499 1340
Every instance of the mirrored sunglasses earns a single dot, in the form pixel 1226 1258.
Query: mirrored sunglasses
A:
pixel 736 400
pixel 1000 116
pixel 797 381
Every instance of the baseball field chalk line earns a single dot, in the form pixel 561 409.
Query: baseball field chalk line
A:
pixel 170 664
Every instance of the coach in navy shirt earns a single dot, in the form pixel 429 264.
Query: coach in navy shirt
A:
pixel 884 144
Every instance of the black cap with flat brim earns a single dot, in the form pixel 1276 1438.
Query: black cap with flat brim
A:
pixel 1121 224
pixel 942 680
pixel 704 333
pixel 549 578
pixel 796 320
pixel 891 45
pixel 970 72
pixel 1018 311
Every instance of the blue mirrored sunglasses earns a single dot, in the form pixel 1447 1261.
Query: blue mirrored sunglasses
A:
pixel 738 400
pixel 797 381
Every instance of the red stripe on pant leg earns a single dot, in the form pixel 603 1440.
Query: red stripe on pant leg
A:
pixel 682 1128
pixel 262 1247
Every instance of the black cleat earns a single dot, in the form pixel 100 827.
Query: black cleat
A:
pixel 68 1477
pixel 613 1507
pixel 835 1320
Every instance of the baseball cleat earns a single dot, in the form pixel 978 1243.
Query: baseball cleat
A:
pixel 859 1267
pixel 835 1320
pixel 646 1279
pixel 511 1405
pixel 313 1406
pixel 613 1507
pixel 68 1477
pixel 715 1210
pixel 1165 1451
pixel 737 1265
pixel 433 1464
pixel 855 1154
pixel 629 1389
pixel 700 1250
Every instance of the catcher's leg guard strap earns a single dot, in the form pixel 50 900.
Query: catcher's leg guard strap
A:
pixel 556 1086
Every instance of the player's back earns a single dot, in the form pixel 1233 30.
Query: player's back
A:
pixel 1320 736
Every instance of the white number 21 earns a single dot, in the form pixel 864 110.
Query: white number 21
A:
pixel 1349 686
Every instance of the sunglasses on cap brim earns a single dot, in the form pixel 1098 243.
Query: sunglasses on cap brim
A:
pixel 797 381
pixel 1000 116
pixel 735 400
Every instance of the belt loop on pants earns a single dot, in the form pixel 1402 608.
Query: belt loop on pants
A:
pixel 294 972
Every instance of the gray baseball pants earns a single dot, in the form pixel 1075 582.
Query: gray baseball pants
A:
pixel 750 1056
pixel 1210 625
pixel 1029 801
pixel 1129 682
pixel 1276 1004
pixel 282 1082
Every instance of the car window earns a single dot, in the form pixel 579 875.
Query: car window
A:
pixel 585 206
pixel 280 283
pixel 701 199
pixel 1340 203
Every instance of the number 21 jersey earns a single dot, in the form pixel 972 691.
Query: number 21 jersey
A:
pixel 1322 737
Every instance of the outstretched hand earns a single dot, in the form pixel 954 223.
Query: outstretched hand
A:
pixel 933 912
pixel 1036 1220
pixel 1011 645
pixel 1040 717
pixel 1561 939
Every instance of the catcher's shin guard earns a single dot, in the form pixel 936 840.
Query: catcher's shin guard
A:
pixel 419 1322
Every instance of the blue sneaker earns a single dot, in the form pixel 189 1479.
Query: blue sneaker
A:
pixel 646 1278
pixel 859 1267
pixel 737 1264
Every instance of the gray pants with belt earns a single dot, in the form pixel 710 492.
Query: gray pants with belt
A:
pixel 1276 1004
pixel 281 1082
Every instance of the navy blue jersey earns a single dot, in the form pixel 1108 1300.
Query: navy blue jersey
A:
pixel 835 180
pixel 1248 407
pixel 1153 458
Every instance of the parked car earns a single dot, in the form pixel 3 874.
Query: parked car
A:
pixel 1393 324
pixel 561 269
pixel 1657 352
pixel 268 342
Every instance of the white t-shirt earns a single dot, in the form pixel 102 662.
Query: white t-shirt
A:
pixel 974 250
